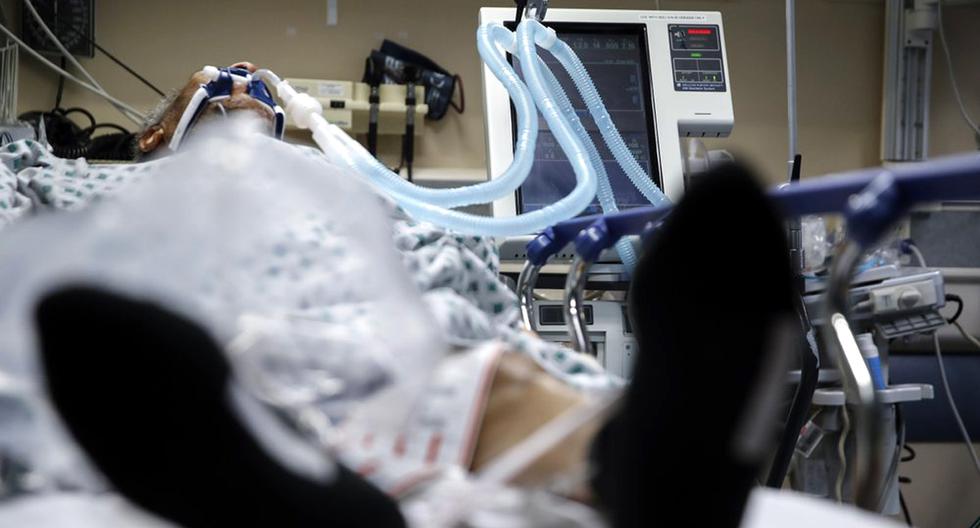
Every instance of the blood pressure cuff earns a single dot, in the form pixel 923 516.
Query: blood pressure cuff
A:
pixel 395 63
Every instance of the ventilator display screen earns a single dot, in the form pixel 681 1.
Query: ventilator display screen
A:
pixel 616 58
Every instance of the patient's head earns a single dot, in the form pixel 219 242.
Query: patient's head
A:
pixel 162 122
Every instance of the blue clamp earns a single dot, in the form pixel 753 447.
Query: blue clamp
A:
pixel 551 241
pixel 872 199
pixel 952 178
pixel 605 231
pixel 556 237
pixel 872 211
pixel 592 240
pixel 542 247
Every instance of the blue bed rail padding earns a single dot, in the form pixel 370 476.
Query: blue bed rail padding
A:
pixel 603 232
pixel 871 198
pixel 556 237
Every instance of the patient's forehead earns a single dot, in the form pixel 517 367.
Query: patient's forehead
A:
pixel 196 80
pixel 239 99
pixel 199 77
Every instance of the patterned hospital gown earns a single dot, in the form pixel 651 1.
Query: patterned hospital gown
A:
pixel 457 276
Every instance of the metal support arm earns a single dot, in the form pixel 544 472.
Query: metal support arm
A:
pixel 574 305
pixel 525 293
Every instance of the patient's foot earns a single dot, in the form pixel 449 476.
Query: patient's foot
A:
pixel 706 301
pixel 149 397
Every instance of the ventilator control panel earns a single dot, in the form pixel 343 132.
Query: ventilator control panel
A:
pixel 696 58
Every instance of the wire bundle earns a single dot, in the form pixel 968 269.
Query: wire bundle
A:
pixel 91 84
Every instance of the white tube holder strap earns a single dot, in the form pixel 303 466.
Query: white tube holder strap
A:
pixel 218 88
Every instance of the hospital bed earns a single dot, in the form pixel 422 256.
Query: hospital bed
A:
pixel 881 197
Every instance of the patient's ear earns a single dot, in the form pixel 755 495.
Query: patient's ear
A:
pixel 151 139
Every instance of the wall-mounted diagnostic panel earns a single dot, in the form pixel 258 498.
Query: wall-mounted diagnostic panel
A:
pixel 72 21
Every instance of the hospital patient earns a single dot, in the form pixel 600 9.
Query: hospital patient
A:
pixel 695 407
pixel 164 119
pixel 508 418
pixel 692 410
pixel 518 380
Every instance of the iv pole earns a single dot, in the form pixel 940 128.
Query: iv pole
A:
pixel 791 82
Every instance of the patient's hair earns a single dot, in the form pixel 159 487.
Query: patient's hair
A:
pixel 153 118
pixel 156 115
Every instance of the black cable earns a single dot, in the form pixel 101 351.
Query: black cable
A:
pixel 61 83
pixel 905 480
pixel 799 409
pixel 77 110
pixel 462 96
pixel 129 70
pixel 88 131
pixel 62 25
pixel 373 77
pixel 905 508
pixel 959 309
pixel 408 141
pixel 794 176
pixel 521 5
pixel 69 140
pixel 115 146
pixel 896 458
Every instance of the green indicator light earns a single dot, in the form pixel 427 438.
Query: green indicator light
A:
pixel 695 55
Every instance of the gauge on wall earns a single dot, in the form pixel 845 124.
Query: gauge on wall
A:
pixel 72 21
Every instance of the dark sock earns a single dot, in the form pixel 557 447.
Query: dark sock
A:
pixel 145 393
pixel 704 301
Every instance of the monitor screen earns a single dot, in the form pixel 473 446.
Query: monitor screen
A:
pixel 616 58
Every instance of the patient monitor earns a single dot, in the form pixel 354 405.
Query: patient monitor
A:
pixel 663 75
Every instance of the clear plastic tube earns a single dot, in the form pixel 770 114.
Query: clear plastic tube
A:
pixel 527 223
pixel 607 200
pixel 610 134
pixel 125 109
pixel 329 138
pixel 489 36
pixel 131 113
pixel 267 75
pixel 431 204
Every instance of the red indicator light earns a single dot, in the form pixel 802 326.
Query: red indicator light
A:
pixel 699 31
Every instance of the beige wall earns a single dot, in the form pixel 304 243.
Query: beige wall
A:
pixel 949 133
pixel 945 488
pixel 840 64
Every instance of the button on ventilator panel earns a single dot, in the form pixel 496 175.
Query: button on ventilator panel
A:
pixel 696 58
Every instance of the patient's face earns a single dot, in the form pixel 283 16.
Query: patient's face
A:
pixel 159 135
